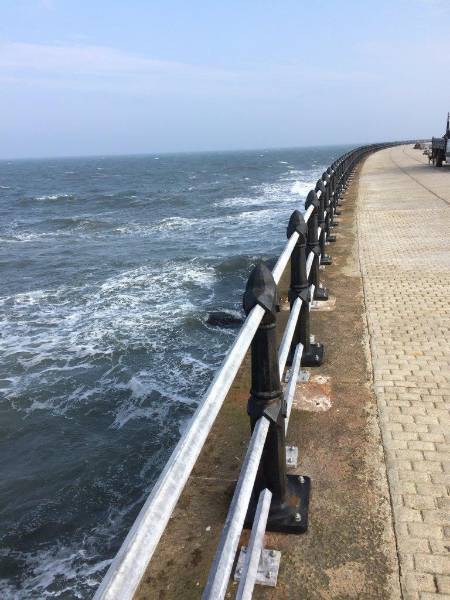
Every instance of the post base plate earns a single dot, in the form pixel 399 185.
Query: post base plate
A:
pixel 320 294
pixel 314 356
pixel 291 517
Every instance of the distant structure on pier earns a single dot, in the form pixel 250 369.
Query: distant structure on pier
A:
pixel 440 148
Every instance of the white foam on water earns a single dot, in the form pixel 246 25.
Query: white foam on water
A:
pixel 238 201
pixel 52 333
pixel 255 216
pixel 199 365
pixel 45 570
pixel 302 187
pixel 28 236
pixel 285 190
pixel 142 385
pixel 174 224
pixel 131 412
pixel 53 196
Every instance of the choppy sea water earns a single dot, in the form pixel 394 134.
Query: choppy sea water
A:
pixel 109 267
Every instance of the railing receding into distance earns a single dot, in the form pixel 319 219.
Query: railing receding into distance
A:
pixel 265 497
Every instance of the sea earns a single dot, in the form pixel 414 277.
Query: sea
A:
pixel 109 268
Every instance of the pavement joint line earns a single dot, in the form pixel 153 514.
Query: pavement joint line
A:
pixel 416 180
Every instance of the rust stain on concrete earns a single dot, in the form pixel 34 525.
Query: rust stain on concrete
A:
pixel 313 395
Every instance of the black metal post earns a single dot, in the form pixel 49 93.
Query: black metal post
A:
pixel 325 180
pixel 336 169
pixel 337 186
pixel 334 202
pixel 289 507
pixel 341 170
pixel 320 293
pixel 329 221
pixel 325 258
pixel 312 355
pixel 330 174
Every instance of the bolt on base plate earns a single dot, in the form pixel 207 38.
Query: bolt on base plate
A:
pixel 325 305
pixel 291 457
pixel 268 567
pixel 303 376
pixel 325 259
pixel 314 356
pixel 331 238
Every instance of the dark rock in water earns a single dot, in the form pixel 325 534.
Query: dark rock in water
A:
pixel 224 319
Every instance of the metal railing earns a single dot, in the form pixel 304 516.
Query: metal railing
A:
pixel 264 493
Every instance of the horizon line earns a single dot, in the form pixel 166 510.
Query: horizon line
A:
pixel 177 152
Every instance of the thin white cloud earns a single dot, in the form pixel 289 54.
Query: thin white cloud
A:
pixel 45 3
pixel 437 6
pixel 80 66
pixel 92 60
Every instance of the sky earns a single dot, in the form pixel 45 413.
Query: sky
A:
pixel 87 77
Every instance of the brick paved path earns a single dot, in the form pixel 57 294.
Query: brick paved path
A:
pixel 404 244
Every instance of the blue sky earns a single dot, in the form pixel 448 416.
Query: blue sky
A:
pixel 114 77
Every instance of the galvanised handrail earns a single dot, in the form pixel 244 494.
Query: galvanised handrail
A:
pixel 305 251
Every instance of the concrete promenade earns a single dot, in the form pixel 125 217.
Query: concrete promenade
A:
pixel 403 221
pixel 379 509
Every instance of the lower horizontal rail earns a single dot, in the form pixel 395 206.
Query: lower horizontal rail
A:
pixel 309 263
pixel 254 548
pixel 292 383
pixel 220 572
pixel 285 345
pixel 312 289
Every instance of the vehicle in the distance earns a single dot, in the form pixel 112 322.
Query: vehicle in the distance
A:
pixel 440 147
